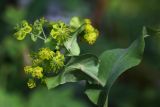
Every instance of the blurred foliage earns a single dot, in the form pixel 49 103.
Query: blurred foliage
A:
pixel 55 98
pixel 130 95
pixel 10 15
pixel 42 98
pixel 10 100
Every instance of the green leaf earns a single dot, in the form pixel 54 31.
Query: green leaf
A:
pixel 63 97
pixel 11 13
pixel 52 82
pixel 93 95
pixel 10 100
pixel 72 45
pixel 79 66
pixel 154 31
pixel 114 62
pixel 62 78
pixel 88 64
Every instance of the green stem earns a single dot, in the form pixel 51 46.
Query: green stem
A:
pixel 106 102
pixel 41 38
pixel 44 33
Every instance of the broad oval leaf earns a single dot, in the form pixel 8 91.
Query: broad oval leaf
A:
pixel 88 64
pixel 52 82
pixel 93 95
pixel 62 78
pixel 114 62
pixel 84 65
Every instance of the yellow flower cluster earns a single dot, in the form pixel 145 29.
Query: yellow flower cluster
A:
pixel 31 83
pixel 45 53
pixel 38 26
pixel 22 30
pixel 91 33
pixel 28 69
pixel 60 32
pixel 45 60
pixel 57 61
pixel 36 62
pixel 35 72
pixel 87 21
pixel 48 62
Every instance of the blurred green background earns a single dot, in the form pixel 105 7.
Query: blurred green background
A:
pixel 119 23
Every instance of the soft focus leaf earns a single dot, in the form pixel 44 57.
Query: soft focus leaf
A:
pixel 52 82
pixel 155 31
pixel 55 98
pixel 10 100
pixel 13 15
pixel 93 95
pixel 84 65
pixel 88 64
pixel 72 45
pixel 114 62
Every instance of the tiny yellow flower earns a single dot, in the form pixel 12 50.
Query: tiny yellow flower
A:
pixel 87 21
pixel 89 28
pixel 91 37
pixel 43 20
pixel 24 23
pixel 57 61
pixel 31 83
pixel 36 62
pixel 27 29
pixel 22 30
pixel 60 32
pixel 59 58
pixel 91 33
pixel 28 69
pixel 20 35
pixel 38 26
pixel 37 72
pixel 45 53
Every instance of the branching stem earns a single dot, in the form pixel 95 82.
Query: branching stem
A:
pixel 44 34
